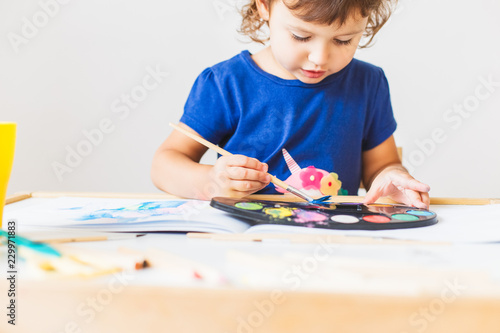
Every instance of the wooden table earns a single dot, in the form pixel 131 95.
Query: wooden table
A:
pixel 437 298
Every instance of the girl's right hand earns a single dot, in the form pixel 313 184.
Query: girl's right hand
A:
pixel 237 176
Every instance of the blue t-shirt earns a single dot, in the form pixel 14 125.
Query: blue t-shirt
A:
pixel 328 125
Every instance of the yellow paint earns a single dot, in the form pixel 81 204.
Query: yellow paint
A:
pixel 279 212
pixel 7 147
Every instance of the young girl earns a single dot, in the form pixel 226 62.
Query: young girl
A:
pixel 305 93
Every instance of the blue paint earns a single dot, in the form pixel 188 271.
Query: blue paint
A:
pixel 137 212
pixel 157 205
pixel 95 216
pixel 321 200
pixel 419 212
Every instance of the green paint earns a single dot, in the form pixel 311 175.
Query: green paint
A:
pixel 249 205
pixel 405 217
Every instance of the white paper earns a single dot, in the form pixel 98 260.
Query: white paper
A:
pixel 463 223
pixel 456 223
pixel 131 215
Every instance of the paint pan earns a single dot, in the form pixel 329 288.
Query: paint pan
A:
pixel 331 215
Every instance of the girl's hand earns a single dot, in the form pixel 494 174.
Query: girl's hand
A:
pixel 238 176
pixel 396 183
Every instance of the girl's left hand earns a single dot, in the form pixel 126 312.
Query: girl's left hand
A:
pixel 396 183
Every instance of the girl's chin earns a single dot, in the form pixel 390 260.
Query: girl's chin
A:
pixel 309 80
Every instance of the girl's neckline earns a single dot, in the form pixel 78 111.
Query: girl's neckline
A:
pixel 297 83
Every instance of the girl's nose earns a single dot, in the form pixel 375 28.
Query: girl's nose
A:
pixel 319 55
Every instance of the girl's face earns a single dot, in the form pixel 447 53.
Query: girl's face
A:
pixel 309 51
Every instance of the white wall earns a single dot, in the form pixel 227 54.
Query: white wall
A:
pixel 64 79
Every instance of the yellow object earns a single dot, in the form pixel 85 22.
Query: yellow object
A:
pixel 7 147
pixel 279 212
pixel 330 185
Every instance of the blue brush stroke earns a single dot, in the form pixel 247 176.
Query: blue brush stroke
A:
pixel 95 216
pixel 114 213
pixel 157 205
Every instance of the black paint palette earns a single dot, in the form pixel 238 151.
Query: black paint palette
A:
pixel 344 216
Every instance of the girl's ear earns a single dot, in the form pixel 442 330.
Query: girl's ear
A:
pixel 263 8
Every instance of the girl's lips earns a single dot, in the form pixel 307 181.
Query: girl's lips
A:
pixel 313 74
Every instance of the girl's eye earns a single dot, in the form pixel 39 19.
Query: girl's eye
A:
pixel 343 42
pixel 300 39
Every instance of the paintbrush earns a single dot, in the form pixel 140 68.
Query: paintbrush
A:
pixel 274 180
pixel 16 240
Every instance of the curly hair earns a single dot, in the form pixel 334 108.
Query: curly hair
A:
pixel 321 12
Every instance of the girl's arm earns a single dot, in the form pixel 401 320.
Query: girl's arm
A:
pixel 384 175
pixel 176 170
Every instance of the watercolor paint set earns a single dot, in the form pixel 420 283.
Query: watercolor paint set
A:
pixel 330 215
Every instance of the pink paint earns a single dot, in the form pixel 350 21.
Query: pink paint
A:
pixel 305 216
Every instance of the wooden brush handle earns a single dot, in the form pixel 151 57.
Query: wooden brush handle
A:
pixel 199 139
pixel 221 151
